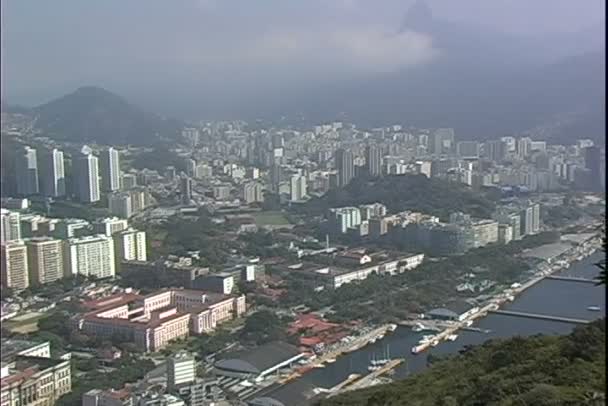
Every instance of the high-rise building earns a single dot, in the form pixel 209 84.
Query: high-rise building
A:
pixel 110 170
pixel 26 166
pixel 593 162
pixel 110 226
pixel 86 172
pixel 185 188
pixel 345 166
pixel 11 226
pixel 191 167
pixel 181 369
pixel 130 245
pixel 253 192
pixel 120 204
pixel 373 160
pixel 90 256
pixel 129 181
pixel 45 260
pixel 14 266
pixel 524 146
pixel 530 220
pixel 298 188
pixel 495 150
pixel 468 149
pixel 443 141
pixel 53 174
pixel 276 175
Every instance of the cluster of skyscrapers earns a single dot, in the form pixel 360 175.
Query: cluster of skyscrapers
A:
pixel 45 175
pixel 37 250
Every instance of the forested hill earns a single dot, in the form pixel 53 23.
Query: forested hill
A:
pixel 406 192
pixel 539 370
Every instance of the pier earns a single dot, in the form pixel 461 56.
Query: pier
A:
pixel 367 379
pixel 540 316
pixel 477 330
pixel 572 279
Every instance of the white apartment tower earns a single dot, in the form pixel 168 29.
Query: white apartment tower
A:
pixel 86 171
pixel 13 265
pixel 110 170
pixel 121 204
pixel 181 369
pixel 53 175
pixel 45 260
pixel 131 245
pixel 11 226
pixel 298 188
pixel 90 256
pixel 27 172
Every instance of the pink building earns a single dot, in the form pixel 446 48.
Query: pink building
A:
pixel 152 321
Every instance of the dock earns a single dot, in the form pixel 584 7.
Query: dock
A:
pixel 367 379
pixel 541 316
pixel 477 330
pixel 572 279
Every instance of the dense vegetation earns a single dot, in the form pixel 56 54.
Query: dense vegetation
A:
pixel 407 192
pixel 539 370
pixel 159 159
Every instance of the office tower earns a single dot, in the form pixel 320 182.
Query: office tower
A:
pixel 345 166
pixel 45 260
pixel 86 172
pixel 442 141
pixel 528 221
pixel 191 167
pixel 468 149
pixel 495 150
pixel 524 147
pixel 253 192
pixel 276 175
pixel 129 181
pixel 181 369
pixel 298 187
pixel 26 165
pixel 110 226
pixel 110 170
pixel 593 162
pixel 11 226
pixel 120 204
pixel 91 256
pixel 13 260
pixel 130 245
pixel 185 188
pixel 373 160
pixel 52 174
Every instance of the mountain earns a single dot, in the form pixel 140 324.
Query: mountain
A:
pixel 538 370
pixel 92 114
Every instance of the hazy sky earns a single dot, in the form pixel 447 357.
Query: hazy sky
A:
pixel 52 47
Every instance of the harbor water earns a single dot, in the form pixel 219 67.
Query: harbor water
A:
pixel 548 297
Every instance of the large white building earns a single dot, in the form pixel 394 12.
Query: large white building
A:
pixel 53 174
pixel 298 188
pixel 181 369
pixel 11 226
pixel 14 266
pixel 120 204
pixel 343 218
pixel 110 170
pixel 86 172
pixel 90 256
pixel 131 245
pixel 45 260
pixel 110 226
pixel 253 192
pixel 26 166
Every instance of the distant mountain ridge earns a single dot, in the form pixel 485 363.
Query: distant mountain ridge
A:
pixel 93 114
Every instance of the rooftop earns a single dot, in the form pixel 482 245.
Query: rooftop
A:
pixel 259 359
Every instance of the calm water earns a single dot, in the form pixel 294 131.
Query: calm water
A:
pixel 550 297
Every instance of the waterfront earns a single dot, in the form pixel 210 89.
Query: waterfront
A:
pixel 550 297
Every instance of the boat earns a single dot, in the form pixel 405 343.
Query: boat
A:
pixel 594 308
pixel 418 327
pixel 318 366
pixel 392 327
pixel 330 360
pixel 434 343
pixel 469 323
pixel 418 349
pixel 452 337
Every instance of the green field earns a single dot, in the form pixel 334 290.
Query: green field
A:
pixel 270 218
